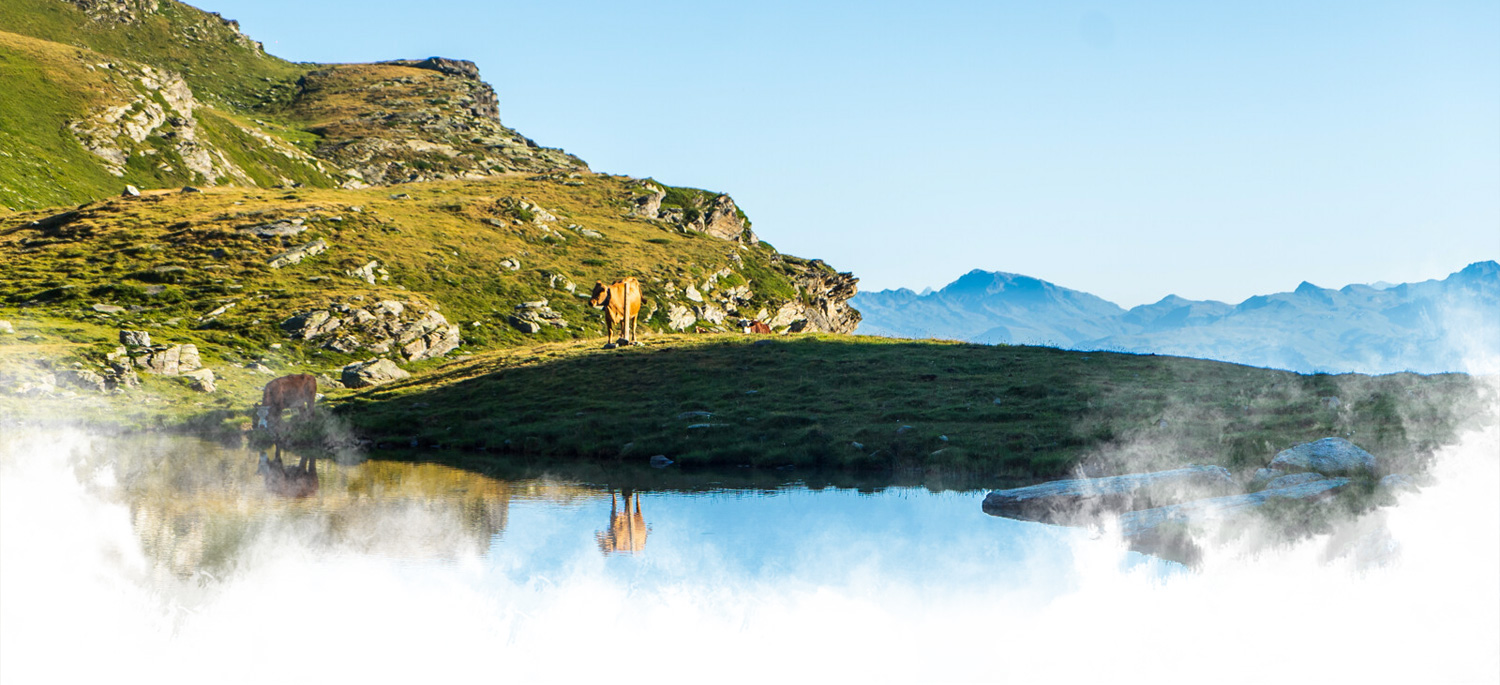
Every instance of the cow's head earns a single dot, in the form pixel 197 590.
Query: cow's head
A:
pixel 599 296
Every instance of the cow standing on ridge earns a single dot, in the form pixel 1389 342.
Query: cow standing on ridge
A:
pixel 621 302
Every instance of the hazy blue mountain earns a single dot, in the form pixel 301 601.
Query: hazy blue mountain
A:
pixel 1451 324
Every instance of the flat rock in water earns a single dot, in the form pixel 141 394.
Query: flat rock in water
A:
pixel 1329 455
pixel 1083 499
pixel 1137 523
pixel 1294 479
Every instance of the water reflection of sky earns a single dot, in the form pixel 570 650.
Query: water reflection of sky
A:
pixel 899 537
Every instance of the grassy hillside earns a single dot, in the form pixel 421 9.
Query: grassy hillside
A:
pixel 880 404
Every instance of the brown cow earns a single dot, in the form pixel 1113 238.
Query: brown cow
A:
pixel 759 327
pixel 621 302
pixel 297 481
pixel 627 530
pixel 287 392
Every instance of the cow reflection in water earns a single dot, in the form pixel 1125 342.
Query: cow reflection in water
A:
pixel 295 481
pixel 627 529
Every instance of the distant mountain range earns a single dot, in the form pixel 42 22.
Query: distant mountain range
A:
pixel 1434 326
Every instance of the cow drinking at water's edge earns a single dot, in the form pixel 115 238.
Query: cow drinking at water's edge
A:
pixel 621 302
pixel 288 392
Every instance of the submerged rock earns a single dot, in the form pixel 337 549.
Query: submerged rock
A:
pixel 1083 499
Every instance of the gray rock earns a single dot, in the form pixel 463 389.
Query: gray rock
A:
pixel 680 318
pixel 187 358
pixel 297 254
pixel 80 378
pixel 711 313
pixel 1334 456
pixel 284 228
pixel 1137 523
pixel 510 265
pixel 1263 476
pixel 660 461
pixel 108 308
pixel 648 206
pixel 262 369
pixel 131 191
pixel 135 338
pixel 1083 499
pixel 692 294
pixel 5 327
pixel 372 372
pixel 1294 479
pixel 524 325
pixel 590 233
pixel 694 415
pixel 202 380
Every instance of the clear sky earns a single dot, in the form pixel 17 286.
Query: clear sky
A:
pixel 1214 150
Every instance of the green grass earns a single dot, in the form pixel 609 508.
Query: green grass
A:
pixel 803 401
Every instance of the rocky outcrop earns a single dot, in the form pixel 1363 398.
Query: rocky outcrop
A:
pixel 531 317
pixel 1330 455
pixel 410 330
pixel 372 372
pixel 119 11
pixel 1084 499
pixel 827 293
pixel 417 120
pixel 159 106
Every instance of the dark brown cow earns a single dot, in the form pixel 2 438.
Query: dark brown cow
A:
pixel 621 302
pixel 295 391
pixel 759 327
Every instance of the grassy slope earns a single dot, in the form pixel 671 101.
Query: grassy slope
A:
pixel 804 401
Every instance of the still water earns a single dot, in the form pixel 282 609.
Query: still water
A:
pixel 166 558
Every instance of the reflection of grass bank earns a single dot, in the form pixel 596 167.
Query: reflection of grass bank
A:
pixel 877 404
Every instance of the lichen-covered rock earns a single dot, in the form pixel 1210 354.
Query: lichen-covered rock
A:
pixel 135 338
pixel 373 372
pixel 1334 456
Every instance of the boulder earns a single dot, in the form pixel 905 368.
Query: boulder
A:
pixel 5 327
pixel 80 378
pixel 131 191
pixel 372 372
pixel 135 338
pixel 1257 481
pixel 187 359
pixel 1334 456
pixel 1148 531
pixel 202 380
pixel 680 318
pixel 1084 499
pixel 660 461
pixel 108 308
pixel 648 206
pixel 692 294
pixel 510 264
pixel 524 325
pixel 1294 479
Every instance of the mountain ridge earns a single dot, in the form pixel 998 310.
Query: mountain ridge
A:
pixel 1358 327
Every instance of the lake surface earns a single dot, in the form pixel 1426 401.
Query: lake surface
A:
pixel 167 557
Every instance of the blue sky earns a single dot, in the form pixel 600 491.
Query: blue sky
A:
pixel 1211 150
